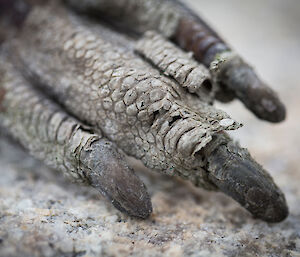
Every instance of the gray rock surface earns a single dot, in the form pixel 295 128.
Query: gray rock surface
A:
pixel 42 214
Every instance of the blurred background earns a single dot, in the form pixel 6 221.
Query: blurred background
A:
pixel 42 214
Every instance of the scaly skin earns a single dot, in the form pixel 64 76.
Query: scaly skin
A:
pixel 146 114
pixel 179 23
pixel 97 77
pixel 63 143
pixel 177 64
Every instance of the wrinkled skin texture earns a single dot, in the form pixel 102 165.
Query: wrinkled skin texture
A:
pixel 115 85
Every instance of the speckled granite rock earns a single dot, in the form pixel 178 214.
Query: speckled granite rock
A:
pixel 42 214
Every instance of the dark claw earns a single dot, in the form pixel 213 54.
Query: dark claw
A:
pixel 109 173
pixel 259 98
pixel 235 173
pixel 235 79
